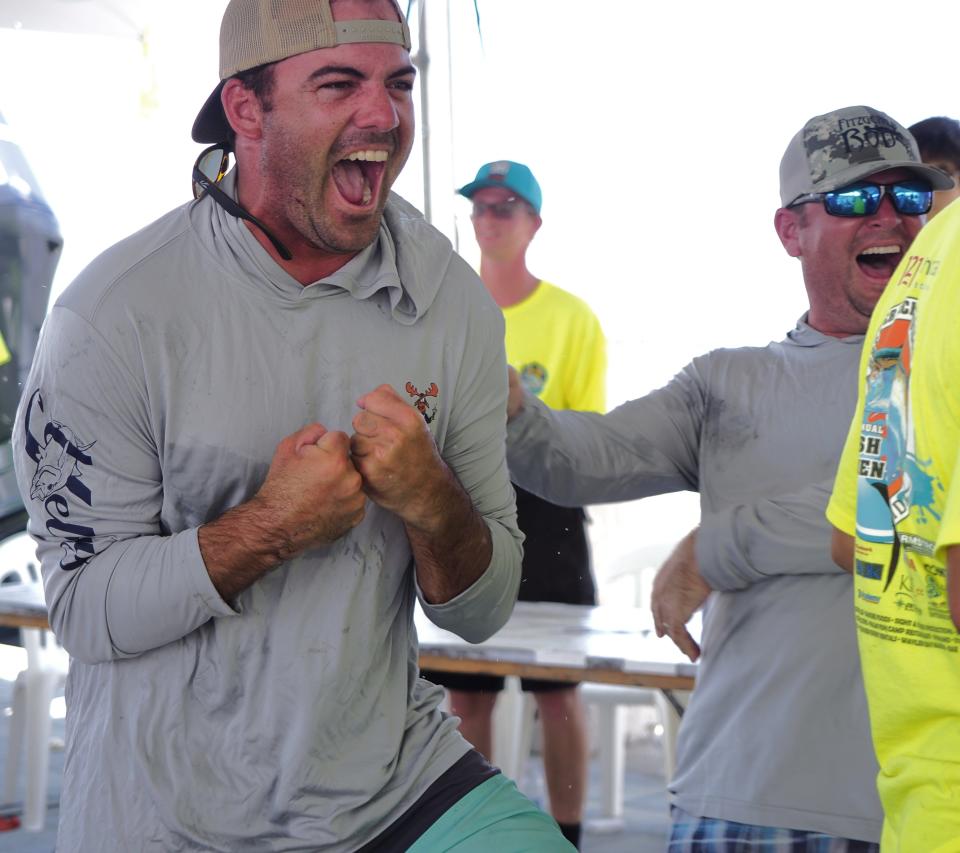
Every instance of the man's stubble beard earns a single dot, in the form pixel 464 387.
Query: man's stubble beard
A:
pixel 296 194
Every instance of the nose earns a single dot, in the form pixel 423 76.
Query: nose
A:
pixel 886 215
pixel 379 110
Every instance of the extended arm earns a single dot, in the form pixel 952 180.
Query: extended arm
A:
pixel 645 447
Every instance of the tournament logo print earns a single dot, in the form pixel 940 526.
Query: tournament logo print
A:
pixel 893 481
pixel 421 403
pixel 533 377
pixel 59 456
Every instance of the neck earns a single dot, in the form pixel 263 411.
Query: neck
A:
pixel 508 281
pixel 833 329
pixel 308 263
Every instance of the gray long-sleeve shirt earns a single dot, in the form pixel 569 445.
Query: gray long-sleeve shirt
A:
pixel 777 732
pixel 292 718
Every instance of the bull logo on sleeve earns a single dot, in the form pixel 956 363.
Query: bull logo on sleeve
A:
pixel 59 457
pixel 420 401
pixel 59 461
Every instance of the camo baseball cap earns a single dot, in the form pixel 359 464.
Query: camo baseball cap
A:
pixel 258 32
pixel 848 145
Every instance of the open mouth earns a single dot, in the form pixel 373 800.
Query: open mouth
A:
pixel 880 261
pixel 359 175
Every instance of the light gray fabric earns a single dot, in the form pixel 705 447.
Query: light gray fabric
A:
pixel 777 731
pixel 292 718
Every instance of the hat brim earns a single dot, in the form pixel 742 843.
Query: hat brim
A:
pixel 211 124
pixel 938 179
pixel 473 187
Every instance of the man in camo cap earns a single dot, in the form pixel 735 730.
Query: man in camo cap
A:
pixel 774 750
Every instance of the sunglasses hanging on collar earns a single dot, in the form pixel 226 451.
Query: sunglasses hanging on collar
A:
pixel 208 171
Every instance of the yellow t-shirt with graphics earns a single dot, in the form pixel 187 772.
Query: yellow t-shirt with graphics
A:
pixel 557 346
pixel 898 492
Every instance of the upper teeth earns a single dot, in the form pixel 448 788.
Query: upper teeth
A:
pixel 378 156
pixel 881 250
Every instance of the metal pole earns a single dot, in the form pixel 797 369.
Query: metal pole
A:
pixel 422 63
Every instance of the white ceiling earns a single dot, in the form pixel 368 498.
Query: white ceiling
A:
pixel 102 17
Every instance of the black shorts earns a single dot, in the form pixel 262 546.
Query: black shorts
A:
pixel 556 567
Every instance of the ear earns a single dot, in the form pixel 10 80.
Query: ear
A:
pixel 242 108
pixel 787 223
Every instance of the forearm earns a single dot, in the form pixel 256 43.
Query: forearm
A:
pixel 782 535
pixel 135 595
pixel 468 575
pixel 580 458
pixel 312 496
pixel 451 544
pixel 841 549
pixel 241 547
pixel 953 583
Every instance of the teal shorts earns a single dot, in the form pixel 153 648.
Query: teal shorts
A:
pixel 493 816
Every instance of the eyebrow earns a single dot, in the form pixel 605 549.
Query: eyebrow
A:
pixel 350 71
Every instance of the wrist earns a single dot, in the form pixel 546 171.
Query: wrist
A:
pixel 241 546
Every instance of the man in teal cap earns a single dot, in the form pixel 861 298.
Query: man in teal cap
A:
pixel 555 342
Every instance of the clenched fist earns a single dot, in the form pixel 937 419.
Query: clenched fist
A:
pixel 396 456
pixel 312 495
pixel 312 489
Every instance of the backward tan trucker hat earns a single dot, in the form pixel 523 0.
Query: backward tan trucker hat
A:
pixel 257 32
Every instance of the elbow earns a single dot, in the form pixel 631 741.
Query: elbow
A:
pixel 478 621
pixel 482 631
pixel 495 618
pixel 82 642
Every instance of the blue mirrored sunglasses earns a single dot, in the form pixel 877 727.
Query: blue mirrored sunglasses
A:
pixel 911 198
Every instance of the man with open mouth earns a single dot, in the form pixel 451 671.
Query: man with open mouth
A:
pixel 275 420
pixel 774 751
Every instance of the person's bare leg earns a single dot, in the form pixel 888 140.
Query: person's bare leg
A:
pixel 475 710
pixel 565 752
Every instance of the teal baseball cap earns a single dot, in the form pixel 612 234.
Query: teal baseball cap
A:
pixel 505 173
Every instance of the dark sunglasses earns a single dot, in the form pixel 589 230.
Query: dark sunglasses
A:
pixel 911 198
pixel 500 209
pixel 208 171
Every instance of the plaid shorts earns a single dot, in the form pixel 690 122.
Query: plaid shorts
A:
pixel 689 834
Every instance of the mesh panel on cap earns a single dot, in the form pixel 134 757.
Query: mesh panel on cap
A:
pixel 255 32
pixel 302 25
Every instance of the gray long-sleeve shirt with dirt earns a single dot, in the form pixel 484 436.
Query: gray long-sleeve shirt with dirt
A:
pixel 292 718
pixel 777 732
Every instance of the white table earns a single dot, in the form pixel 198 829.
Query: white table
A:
pixel 565 642
pixel 22 606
